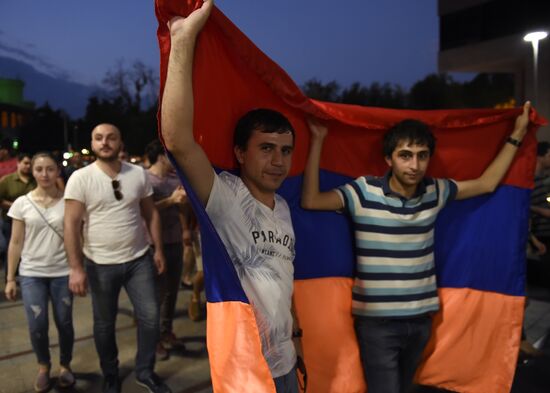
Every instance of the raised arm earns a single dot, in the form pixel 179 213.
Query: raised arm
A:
pixel 494 173
pixel 177 102
pixel 14 255
pixel 72 223
pixel 312 198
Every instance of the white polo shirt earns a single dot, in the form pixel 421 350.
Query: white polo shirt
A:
pixel 260 242
pixel 113 230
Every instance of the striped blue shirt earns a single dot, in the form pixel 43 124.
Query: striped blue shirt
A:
pixel 394 242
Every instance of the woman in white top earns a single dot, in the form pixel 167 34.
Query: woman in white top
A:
pixel 37 241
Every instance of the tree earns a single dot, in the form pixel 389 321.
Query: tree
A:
pixel 130 104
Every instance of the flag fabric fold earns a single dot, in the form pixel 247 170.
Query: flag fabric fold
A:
pixel 480 243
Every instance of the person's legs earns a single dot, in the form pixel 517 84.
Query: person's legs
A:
pixel 140 284
pixel 62 305
pixel 379 342
pixel 418 335
pixel 34 291
pixel 287 383
pixel 105 283
pixel 169 294
pixel 198 279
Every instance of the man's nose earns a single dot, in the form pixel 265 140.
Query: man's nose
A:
pixel 277 158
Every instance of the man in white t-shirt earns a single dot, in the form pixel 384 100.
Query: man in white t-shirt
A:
pixel 252 220
pixel 109 200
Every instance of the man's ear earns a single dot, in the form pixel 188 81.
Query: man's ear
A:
pixel 388 161
pixel 239 153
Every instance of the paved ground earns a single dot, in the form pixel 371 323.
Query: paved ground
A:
pixel 188 371
pixel 184 372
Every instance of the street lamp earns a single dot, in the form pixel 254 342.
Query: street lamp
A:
pixel 534 39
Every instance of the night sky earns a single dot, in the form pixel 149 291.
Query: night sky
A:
pixel 393 41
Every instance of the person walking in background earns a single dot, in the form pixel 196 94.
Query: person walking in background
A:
pixel 192 262
pixel 112 199
pixel 13 186
pixel 170 199
pixel 37 240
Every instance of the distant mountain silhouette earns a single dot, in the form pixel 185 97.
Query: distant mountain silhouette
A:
pixel 40 87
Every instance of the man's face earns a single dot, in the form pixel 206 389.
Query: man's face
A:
pixel 24 166
pixel 266 161
pixel 409 163
pixel 106 142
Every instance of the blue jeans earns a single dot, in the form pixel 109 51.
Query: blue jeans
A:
pixel 391 350
pixel 36 291
pixel 287 383
pixel 138 277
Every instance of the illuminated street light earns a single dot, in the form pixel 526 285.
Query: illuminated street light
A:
pixel 534 39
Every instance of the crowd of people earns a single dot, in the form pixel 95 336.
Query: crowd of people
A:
pixel 114 225
pixel 117 225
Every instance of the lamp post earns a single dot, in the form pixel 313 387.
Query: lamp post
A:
pixel 534 39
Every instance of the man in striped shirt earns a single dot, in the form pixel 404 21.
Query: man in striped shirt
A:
pixel 395 291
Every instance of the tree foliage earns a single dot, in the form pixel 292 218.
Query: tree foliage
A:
pixel 130 103
pixel 435 91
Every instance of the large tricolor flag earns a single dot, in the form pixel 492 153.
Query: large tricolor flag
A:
pixel 480 243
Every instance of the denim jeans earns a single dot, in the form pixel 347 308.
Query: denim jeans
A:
pixel 391 350
pixel 36 291
pixel 287 383
pixel 138 279
pixel 169 283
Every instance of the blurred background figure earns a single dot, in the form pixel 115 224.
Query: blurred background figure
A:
pixel 170 200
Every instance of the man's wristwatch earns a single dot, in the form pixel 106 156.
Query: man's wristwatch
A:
pixel 513 141
pixel 298 333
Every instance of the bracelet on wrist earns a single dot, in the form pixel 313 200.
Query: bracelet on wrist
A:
pixel 513 141
pixel 12 280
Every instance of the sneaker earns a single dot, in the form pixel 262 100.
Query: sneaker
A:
pixel 153 384
pixel 66 378
pixel 161 352
pixel 42 381
pixel 112 384
pixel 170 341
pixel 194 309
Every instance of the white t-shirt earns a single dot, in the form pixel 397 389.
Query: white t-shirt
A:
pixel 113 230
pixel 43 253
pixel 260 242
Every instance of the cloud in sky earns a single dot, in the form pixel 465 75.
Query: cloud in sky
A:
pixel 26 55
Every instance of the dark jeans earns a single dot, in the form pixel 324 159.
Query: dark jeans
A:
pixel 169 283
pixel 287 383
pixel 138 279
pixel 36 291
pixel 391 350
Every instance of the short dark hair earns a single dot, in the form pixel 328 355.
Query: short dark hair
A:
pixel 263 120
pixel 21 156
pixel 411 130
pixel 542 148
pixel 153 150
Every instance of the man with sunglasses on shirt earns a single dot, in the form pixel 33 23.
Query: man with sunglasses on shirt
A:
pixel 109 200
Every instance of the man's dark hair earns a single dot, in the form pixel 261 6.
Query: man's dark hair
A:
pixel 542 148
pixel 153 150
pixel 263 120
pixel 21 156
pixel 413 131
